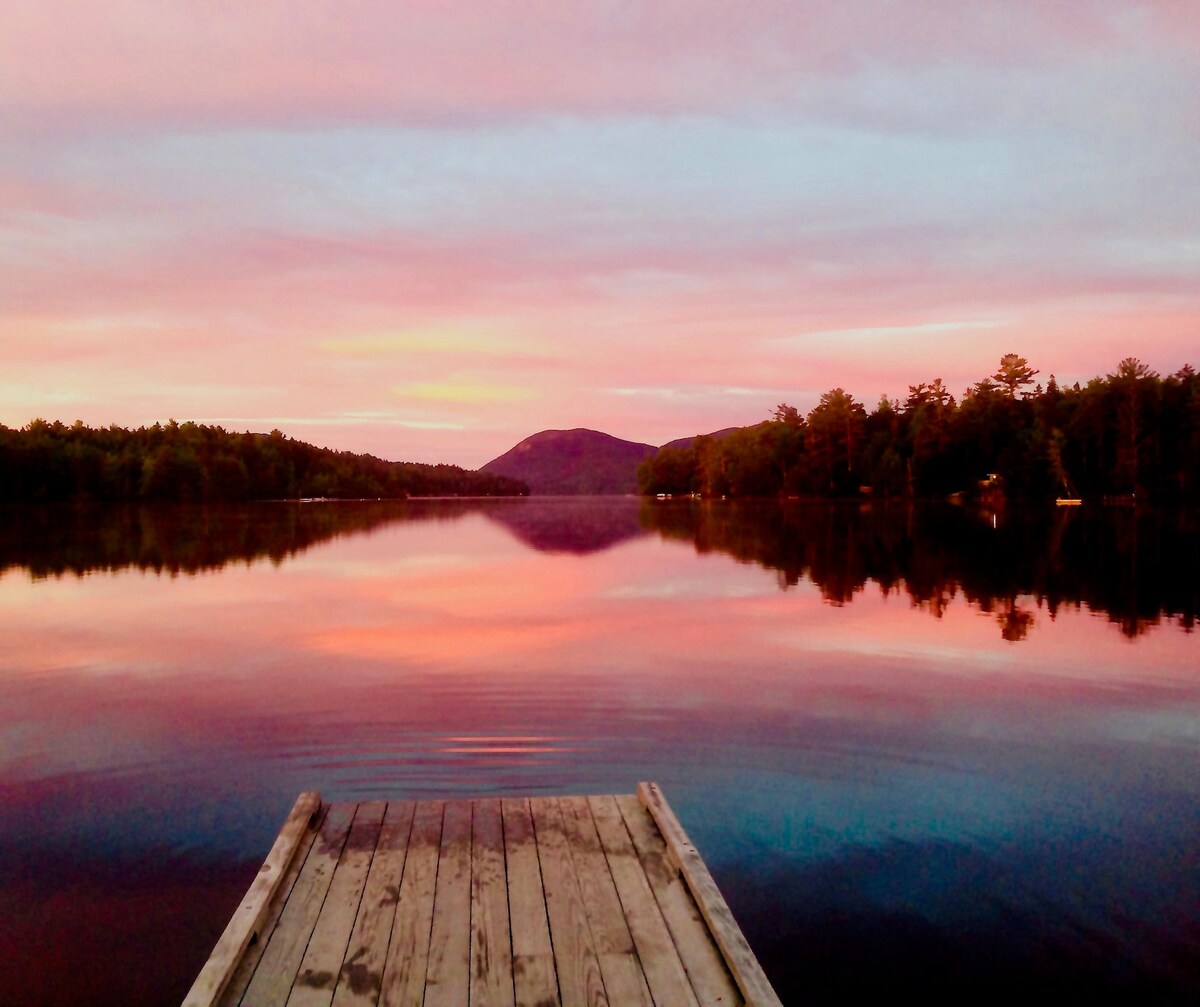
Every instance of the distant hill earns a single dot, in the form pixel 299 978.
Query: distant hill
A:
pixel 572 462
pixel 682 443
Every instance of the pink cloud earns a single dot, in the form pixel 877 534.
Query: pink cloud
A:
pixel 275 61
pixel 655 274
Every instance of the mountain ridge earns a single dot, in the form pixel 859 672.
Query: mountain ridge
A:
pixel 580 461
pixel 575 462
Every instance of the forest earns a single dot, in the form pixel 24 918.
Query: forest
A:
pixel 1131 434
pixel 196 463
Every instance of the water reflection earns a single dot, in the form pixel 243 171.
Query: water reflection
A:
pixel 61 539
pixel 1134 566
pixel 892 795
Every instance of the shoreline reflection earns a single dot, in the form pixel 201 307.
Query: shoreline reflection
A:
pixel 1134 567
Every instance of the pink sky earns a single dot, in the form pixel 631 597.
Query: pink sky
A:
pixel 429 230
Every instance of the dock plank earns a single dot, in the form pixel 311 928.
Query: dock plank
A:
pixel 619 965
pixel 578 969
pixel 322 962
pixel 747 972
pixel 497 902
pixel 447 976
pixel 408 951
pixel 491 942
pixel 605 917
pixel 361 977
pixel 272 981
pixel 664 970
pixel 534 980
pixel 240 976
pixel 706 968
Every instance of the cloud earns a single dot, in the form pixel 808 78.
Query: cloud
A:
pixel 134 63
pixel 472 221
pixel 463 391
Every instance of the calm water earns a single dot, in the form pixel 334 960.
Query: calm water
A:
pixel 943 751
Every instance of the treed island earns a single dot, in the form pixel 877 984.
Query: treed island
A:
pixel 197 463
pixel 1131 434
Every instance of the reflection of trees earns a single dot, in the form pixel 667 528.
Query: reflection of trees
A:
pixel 59 539
pixel 54 540
pixel 1134 565
pixel 1014 621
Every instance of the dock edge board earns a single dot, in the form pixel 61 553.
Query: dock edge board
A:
pixel 739 956
pixel 244 925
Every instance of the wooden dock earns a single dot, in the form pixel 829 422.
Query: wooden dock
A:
pixel 523 902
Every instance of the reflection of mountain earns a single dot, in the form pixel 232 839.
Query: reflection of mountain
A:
pixel 1137 567
pixel 53 540
pixel 579 525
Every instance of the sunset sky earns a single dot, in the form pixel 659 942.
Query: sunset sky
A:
pixel 428 229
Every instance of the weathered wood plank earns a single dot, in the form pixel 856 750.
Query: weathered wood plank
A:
pixel 253 954
pixel 322 962
pixel 272 980
pixel 534 980
pixel 665 973
pixel 491 944
pixel 622 973
pixel 579 978
pixel 706 968
pixel 605 916
pixel 361 979
pixel 751 979
pixel 408 952
pixel 624 983
pixel 550 902
pixel 447 976
pixel 252 913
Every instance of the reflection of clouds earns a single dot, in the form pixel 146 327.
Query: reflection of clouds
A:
pixel 450 642
pixel 455 630
pixel 687 589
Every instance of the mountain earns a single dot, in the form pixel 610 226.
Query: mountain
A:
pixel 687 442
pixel 572 462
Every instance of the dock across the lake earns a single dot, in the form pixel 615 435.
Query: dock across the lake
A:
pixel 523 902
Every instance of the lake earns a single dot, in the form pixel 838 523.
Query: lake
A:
pixel 941 751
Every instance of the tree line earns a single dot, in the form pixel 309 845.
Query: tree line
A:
pixel 1130 433
pixel 195 463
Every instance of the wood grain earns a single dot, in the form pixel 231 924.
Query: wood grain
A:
pixel 664 970
pixel 272 980
pixel 322 962
pixel 491 943
pixel 447 976
pixel 360 981
pixel 534 980
pixel 235 982
pixel 408 950
pixel 579 978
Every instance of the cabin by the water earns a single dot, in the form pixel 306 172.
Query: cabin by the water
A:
pixel 522 902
